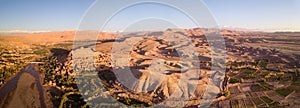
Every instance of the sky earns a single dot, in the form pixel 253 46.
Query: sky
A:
pixel 257 14
pixel 59 15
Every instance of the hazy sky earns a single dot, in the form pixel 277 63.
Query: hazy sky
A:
pixel 48 15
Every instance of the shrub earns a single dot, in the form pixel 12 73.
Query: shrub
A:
pixel 284 91
pixel 233 80
pixel 266 99
pixel 248 70
pixel 227 93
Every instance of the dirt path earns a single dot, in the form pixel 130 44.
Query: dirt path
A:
pixel 24 90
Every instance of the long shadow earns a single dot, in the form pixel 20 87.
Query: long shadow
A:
pixel 89 44
pixel 11 85
pixel 59 51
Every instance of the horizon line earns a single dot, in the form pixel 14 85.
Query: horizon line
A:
pixel 220 28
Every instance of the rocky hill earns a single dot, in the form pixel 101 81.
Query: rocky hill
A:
pixel 161 67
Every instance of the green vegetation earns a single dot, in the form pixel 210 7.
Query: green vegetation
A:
pixel 233 80
pixel 59 51
pixel 57 74
pixel 234 103
pixel 227 93
pixel 284 91
pixel 41 50
pixel 66 45
pixel 270 102
pixel 247 70
pixel 263 63
pixel 29 58
pixel 7 72
pixel 266 99
pixel 257 101
pixel 236 64
pixel 133 102
pixel 257 88
pixel 274 104
pixel 265 85
pixel 249 77
pixel 264 73
pixel 72 99
pixel 296 84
